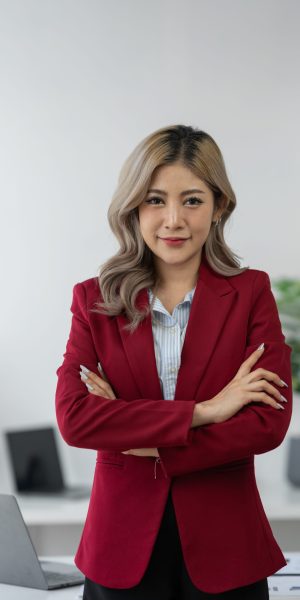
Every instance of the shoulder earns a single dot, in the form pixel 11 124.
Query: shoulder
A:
pixel 91 285
pixel 87 292
pixel 249 279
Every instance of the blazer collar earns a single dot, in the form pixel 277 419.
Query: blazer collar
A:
pixel 212 301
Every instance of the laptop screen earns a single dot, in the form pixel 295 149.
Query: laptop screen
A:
pixel 35 461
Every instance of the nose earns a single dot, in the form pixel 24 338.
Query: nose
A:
pixel 173 216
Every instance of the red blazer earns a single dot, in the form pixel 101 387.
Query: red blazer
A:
pixel 226 538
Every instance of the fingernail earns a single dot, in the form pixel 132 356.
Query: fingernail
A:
pixel 283 398
pixel 286 385
pixel 85 370
pixel 83 375
pixel 279 406
pixel 100 368
pixel 90 387
pixel 261 347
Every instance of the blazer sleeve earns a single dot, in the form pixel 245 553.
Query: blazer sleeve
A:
pixel 86 420
pixel 256 428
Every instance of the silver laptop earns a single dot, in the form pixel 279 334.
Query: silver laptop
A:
pixel 19 564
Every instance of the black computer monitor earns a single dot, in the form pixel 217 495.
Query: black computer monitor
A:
pixel 35 460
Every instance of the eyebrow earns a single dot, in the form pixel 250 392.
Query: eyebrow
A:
pixel 193 191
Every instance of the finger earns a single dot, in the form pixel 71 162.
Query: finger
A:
pixel 246 366
pixel 88 377
pixel 141 451
pixel 98 380
pixel 262 397
pixel 102 384
pixel 263 385
pixel 245 369
pixel 97 392
pixel 101 372
pixel 265 374
pixel 104 377
pixel 94 388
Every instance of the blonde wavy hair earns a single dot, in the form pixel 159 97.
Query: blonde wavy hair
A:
pixel 131 269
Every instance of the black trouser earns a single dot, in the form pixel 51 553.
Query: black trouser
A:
pixel 166 577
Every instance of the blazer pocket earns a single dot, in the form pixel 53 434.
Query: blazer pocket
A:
pixel 109 457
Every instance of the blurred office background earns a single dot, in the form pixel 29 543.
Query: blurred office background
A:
pixel 82 82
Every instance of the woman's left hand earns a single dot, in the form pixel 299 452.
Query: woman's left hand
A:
pixel 100 386
pixel 142 452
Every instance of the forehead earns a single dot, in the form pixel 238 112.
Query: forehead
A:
pixel 175 175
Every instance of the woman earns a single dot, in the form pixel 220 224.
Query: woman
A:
pixel 174 372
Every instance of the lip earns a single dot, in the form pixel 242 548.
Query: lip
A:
pixel 174 241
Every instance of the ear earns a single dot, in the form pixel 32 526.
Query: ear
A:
pixel 217 214
pixel 221 205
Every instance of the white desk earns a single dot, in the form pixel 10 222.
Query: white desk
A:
pixel 8 592
pixel 282 507
pixel 55 524
pixel 12 592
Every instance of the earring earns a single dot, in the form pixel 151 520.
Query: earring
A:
pixel 217 222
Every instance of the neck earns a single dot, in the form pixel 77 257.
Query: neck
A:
pixel 177 276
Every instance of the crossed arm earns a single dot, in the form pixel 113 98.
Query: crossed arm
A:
pixel 165 428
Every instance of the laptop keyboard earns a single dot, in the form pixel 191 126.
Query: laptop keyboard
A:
pixel 56 578
pixel 62 576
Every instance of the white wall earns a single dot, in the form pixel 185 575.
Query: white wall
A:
pixel 82 82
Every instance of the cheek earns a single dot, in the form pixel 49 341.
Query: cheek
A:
pixel 201 227
pixel 144 230
pixel 147 224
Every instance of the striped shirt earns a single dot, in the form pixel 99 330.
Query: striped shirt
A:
pixel 168 334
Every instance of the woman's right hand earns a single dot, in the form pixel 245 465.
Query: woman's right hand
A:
pixel 247 386
pixel 99 386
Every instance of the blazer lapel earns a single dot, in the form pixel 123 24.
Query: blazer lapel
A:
pixel 139 349
pixel 212 302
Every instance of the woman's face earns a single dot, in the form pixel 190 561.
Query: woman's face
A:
pixel 168 211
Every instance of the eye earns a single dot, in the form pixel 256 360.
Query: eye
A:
pixel 192 198
pixel 197 199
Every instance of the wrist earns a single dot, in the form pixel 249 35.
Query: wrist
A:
pixel 203 413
